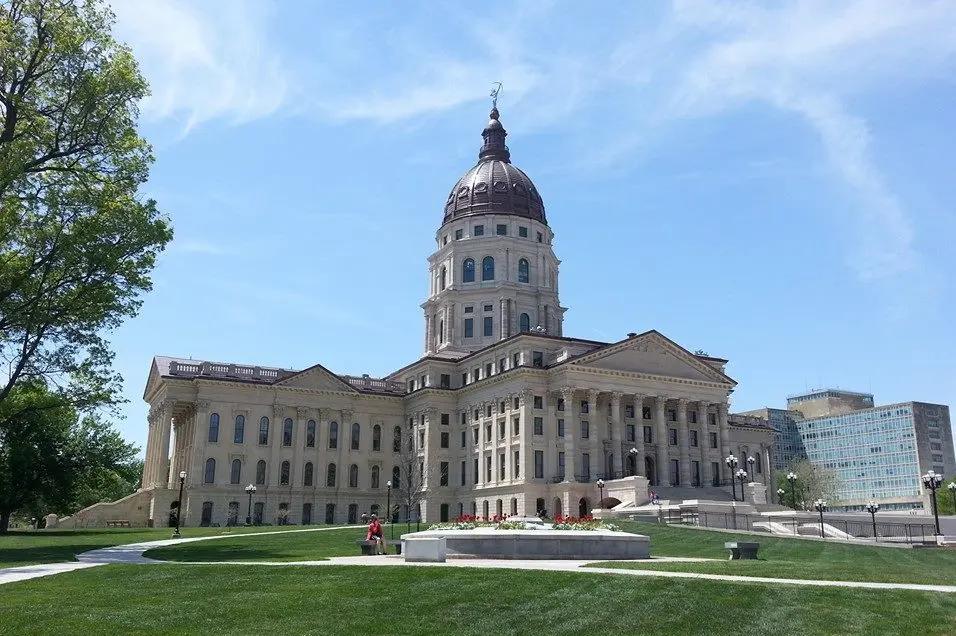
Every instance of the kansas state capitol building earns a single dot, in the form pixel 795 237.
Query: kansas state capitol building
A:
pixel 503 414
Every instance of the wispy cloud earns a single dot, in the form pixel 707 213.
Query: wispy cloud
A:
pixel 205 248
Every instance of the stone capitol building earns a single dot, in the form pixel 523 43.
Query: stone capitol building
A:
pixel 503 414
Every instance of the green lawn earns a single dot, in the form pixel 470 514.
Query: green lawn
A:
pixel 294 546
pixel 27 547
pixel 794 558
pixel 360 600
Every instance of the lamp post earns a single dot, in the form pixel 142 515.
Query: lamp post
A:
pixel 731 462
pixel 780 493
pixel 633 453
pixel 388 507
pixel 600 485
pixel 952 492
pixel 250 490
pixel 872 508
pixel 820 505
pixel 933 481
pixel 750 462
pixel 742 476
pixel 792 478
pixel 179 503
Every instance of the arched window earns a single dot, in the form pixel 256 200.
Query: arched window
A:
pixel 239 432
pixel 284 474
pixel 442 278
pixel 524 323
pixel 287 432
pixel 310 433
pixel 353 476
pixel 397 439
pixel 264 430
pixel 333 434
pixel 330 476
pixel 214 427
pixel 488 268
pixel 210 476
pixel 524 271
pixel 307 474
pixel 235 473
pixel 261 472
pixel 468 271
pixel 356 435
pixel 396 477
pixel 375 477
pixel 376 438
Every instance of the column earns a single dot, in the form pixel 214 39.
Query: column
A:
pixel 551 433
pixel 596 446
pixel 724 434
pixel 432 443
pixel 639 434
pixel 495 450
pixel 504 327
pixel 682 435
pixel 767 469
pixel 660 435
pixel 480 446
pixel 617 437
pixel 703 442
pixel 428 332
pixel 165 429
pixel 149 463
pixel 526 459
pixel 570 426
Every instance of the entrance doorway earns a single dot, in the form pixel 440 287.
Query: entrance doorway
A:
pixel 649 471
pixel 583 507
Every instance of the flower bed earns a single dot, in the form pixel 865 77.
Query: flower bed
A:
pixel 499 522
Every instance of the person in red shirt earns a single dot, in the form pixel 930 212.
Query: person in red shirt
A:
pixel 376 534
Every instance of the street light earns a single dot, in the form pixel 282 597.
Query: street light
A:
pixel 731 462
pixel 388 507
pixel 179 503
pixel 742 476
pixel 820 505
pixel 600 485
pixel 751 461
pixel 952 492
pixel 933 481
pixel 633 453
pixel 873 508
pixel 780 493
pixel 250 490
pixel 792 478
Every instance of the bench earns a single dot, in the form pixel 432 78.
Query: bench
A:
pixel 425 549
pixel 367 547
pixel 118 523
pixel 742 549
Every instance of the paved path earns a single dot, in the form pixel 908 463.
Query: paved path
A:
pixel 133 553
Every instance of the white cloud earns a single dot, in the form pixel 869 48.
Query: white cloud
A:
pixel 203 61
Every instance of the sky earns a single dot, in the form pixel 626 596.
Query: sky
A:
pixel 769 182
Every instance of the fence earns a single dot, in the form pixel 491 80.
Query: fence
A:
pixel 889 532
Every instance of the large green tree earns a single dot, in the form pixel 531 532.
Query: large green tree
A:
pixel 813 482
pixel 77 239
pixel 53 461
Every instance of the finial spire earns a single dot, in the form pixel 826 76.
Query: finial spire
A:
pixel 494 133
pixel 494 96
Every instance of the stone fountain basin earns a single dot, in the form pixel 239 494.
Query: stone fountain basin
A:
pixel 488 543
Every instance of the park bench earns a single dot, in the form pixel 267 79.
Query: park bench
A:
pixel 118 523
pixel 742 549
pixel 367 547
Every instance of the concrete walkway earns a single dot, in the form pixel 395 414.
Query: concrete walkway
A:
pixel 133 554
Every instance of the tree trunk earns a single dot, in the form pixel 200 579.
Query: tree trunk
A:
pixel 4 521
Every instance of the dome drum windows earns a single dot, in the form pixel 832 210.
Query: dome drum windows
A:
pixel 468 271
pixel 487 268
pixel 524 271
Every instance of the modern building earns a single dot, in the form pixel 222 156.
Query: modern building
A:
pixel 503 414
pixel 877 452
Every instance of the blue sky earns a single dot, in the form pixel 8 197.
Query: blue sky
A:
pixel 772 183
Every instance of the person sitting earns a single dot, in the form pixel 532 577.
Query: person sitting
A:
pixel 376 534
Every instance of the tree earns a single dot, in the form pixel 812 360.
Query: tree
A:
pixel 77 243
pixel 414 473
pixel 50 461
pixel 813 482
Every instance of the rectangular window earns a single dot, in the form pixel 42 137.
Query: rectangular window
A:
pixel 585 407
pixel 648 437
pixel 646 412
pixel 488 469
pixel 628 410
pixel 560 428
pixel 539 464
pixel 310 434
pixel 715 471
pixel 501 364
pixel 463 438
pixel 538 402
pixel 444 240
pixel 479 230
pixel 629 432
pixel 477 440
pixel 501 429
pixel 692 417
pixel 489 307
pixel 462 473
pixel 501 229
pixel 488 433
pixel 501 466
pixel 537 359
pixel 671 415
pixel 539 426
pixel 561 464
pixel 476 375
pixel 464 379
pixel 458 234
pixel 444 439
pixel 695 474
pixel 540 237
pixel 469 327
pixel 469 309
pixel 712 419
pixel 476 470
pixel 585 429
pixel 515 359
pixel 515 403
pixel 675 472
pixel 560 404
pixel 488 411
pixel 516 467
pixel 522 231
pixel 488 367
pixel 713 440
pixel 515 426
pixel 693 438
pixel 445 419
pixel 443 468
pixel 672 436
pixel 586 465
pixel 445 381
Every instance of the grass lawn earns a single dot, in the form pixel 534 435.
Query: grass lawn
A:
pixel 794 558
pixel 27 547
pixel 294 546
pixel 360 600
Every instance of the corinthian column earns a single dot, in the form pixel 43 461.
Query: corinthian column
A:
pixel 724 431
pixel 570 428
pixel 684 470
pixel 660 433
pixel 617 428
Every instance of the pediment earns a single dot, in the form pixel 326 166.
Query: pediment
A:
pixel 317 378
pixel 652 354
